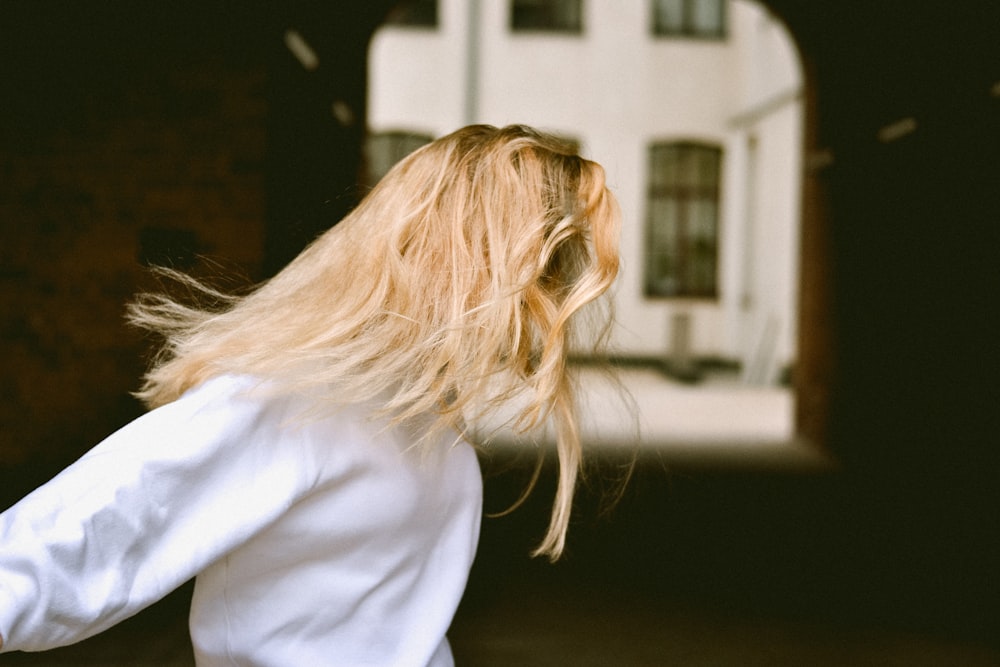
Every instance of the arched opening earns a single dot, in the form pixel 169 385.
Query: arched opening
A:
pixel 696 110
pixel 900 110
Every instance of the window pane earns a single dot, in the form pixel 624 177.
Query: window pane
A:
pixel 687 167
pixel 662 279
pixel 556 15
pixel 701 219
pixel 663 227
pixel 662 248
pixel 668 16
pixel 682 220
pixel 702 247
pixel 706 17
pixel 706 166
pixel 664 166
pixel 699 18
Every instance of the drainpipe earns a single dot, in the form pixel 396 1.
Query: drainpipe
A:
pixel 471 111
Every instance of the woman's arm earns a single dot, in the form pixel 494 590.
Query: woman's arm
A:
pixel 142 513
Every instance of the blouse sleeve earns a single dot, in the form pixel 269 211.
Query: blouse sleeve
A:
pixel 145 511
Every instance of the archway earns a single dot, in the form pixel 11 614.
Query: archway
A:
pixel 708 305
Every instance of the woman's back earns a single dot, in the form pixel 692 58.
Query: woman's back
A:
pixel 366 568
pixel 326 540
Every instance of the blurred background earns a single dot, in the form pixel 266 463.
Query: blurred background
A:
pixel 805 316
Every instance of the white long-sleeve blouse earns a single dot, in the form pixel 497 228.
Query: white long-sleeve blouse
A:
pixel 315 541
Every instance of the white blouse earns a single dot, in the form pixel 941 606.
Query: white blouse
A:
pixel 315 541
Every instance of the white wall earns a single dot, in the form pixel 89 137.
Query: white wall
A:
pixel 768 114
pixel 617 88
pixel 416 76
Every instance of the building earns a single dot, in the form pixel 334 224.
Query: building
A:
pixel 693 106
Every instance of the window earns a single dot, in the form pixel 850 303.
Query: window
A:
pixel 682 224
pixel 569 143
pixel 415 13
pixel 546 15
pixel 385 149
pixel 690 18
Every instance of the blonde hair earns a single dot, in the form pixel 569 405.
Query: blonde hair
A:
pixel 450 289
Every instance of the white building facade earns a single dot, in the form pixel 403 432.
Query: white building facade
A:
pixel 693 107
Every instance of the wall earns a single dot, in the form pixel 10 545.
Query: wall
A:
pixel 108 161
pixel 616 88
pixel 419 56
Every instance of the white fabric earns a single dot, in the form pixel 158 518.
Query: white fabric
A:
pixel 315 541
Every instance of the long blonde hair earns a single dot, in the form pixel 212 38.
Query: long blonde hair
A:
pixel 450 289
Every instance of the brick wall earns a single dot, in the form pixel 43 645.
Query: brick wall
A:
pixel 157 167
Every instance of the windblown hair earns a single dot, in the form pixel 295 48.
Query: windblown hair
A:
pixel 450 289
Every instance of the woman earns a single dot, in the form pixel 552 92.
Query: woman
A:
pixel 304 456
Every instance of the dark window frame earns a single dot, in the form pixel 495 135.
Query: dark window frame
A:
pixel 688 27
pixel 546 16
pixel 685 266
